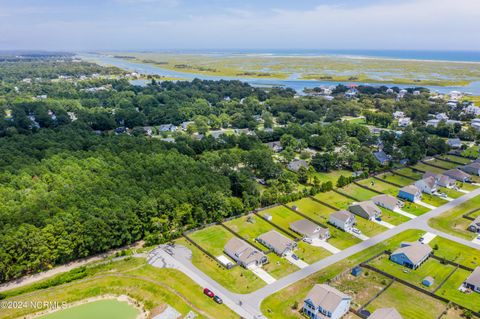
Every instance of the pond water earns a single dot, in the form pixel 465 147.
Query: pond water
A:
pixel 293 82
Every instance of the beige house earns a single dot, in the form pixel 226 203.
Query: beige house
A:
pixel 387 201
pixel 280 244
pixel 244 254
pixel 385 313
pixel 310 230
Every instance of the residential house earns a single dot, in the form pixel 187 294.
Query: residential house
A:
pixel 410 193
pixel 295 165
pixel 475 225
pixel 387 201
pixel 472 168
pixel 168 139
pixel 398 114
pixel 441 116
pixel 411 255
pixel 277 242
pixel 458 175
pixel 275 146
pixel 366 209
pixel 385 313
pixel 186 124
pixel 404 122
pixel 342 219
pixel 324 302
pixel 433 123
pixel 472 109
pixel 310 230
pixel 167 128
pixel 454 142
pixel 442 180
pixel 473 281
pixel 427 185
pixel 244 254
pixel 382 157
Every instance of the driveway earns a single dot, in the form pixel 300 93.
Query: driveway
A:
pixel 428 237
pixel 321 243
pixel 419 202
pixel 297 262
pixel 384 224
pixel 262 274
pixel 360 236
pixel 404 213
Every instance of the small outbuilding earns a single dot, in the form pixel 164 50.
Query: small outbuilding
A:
pixel 428 281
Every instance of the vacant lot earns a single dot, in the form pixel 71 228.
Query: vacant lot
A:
pixel 361 288
pixel 106 309
pixel 444 164
pixel 357 192
pixel 213 239
pixel 410 303
pixel 431 267
pixel 332 176
pixel 392 217
pixel 334 199
pixel 457 159
pixel 407 171
pixel 452 221
pixel 380 186
pixel 396 179
pixel 433 200
pixel 456 252
pixel 450 192
pixel 428 168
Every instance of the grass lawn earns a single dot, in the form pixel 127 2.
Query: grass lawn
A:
pixel 450 192
pixel 107 309
pixel 238 279
pixel 414 209
pixel 279 304
pixel 380 186
pixel 361 288
pixel 467 186
pixel 253 229
pixel 396 179
pixel 312 254
pixel 213 239
pixel 392 217
pixel 308 206
pixel 452 221
pixel 332 176
pixel 357 192
pixel 334 199
pixel 152 287
pixel 428 168
pixel 407 171
pixel 279 267
pixel 456 252
pixel 455 158
pixel 433 200
pixel 472 152
pixel 444 164
pixel 431 267
pixel 450 290
pixel 410 303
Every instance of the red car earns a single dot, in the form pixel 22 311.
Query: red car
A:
pixel 208 292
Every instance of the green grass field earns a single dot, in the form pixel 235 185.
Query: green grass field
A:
pixel 357 192
pixel 279 305
pixel 431 267
pixel 380 186
pixel 392 217
pixel 407 171
pixel 414 209
pixel 332 176
pixel 396 179
pixel 428 168
pixel 433 200
pixel 334 199
pixel 458 159
pixel 456 252
pixel 361 288
pixel 450 192
pixel 444 164
pixel 152 287
pixel 409 303
pixel 450 290
pixel 213 239
pixel 105 309
pixel 452 221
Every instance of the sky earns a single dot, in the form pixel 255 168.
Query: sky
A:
pixel 122 25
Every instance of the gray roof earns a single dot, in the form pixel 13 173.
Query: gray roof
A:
pixel 454 141
pixel 387 200
pixel 416 251
pixel 243 252
pixel 296 164
pixel 342 215
pixel 381 156
pixel 277 241
pixel 307 228
pixel 456 174
pixel 410 189
pixel 474 165
pixel 369 207
pixel 474 277
pixel 327 297
pixel 430 181
pixel 385 313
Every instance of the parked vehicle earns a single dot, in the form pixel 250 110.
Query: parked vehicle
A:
pixel 208 292
pixel 356 231
pixel 218 300
pixel 378 219
pixel 307 240
pixel 295 257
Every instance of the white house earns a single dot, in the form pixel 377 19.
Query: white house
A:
pixel 427 185
pixel 342 219
pixel 387 201
pixel 433 123
pixel 398 114
pixel 404 122
pixel 324 302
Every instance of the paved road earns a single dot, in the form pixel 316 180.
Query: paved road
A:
pixel 250 303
